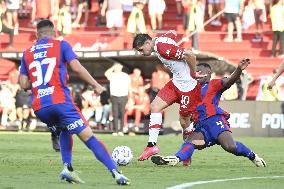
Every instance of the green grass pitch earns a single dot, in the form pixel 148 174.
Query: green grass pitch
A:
pixel 27 161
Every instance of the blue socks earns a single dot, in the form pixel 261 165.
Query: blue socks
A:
pixel 101 153
pixel 185 151
pixel 242 150
pixel 66 143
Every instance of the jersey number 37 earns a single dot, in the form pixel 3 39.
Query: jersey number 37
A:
pixel 40 78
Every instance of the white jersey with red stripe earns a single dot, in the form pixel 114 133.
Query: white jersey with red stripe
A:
pixel 172 57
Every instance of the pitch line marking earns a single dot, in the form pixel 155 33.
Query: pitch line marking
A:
pixel 190 184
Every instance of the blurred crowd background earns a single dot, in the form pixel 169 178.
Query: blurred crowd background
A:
pixel 125 109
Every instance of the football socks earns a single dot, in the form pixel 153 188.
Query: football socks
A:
pixel 155 126
pixel 101 153
pixel 66 143
pixel 185 151
pixel 242 150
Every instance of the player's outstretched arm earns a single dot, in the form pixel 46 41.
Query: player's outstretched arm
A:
pixel 190 59
pixel 85 75
pixel 277 74
pixel 227 82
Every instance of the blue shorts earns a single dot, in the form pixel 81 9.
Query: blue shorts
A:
pixel 63 116
pixel 212 127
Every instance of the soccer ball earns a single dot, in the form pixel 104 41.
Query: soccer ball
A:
pixel 122 155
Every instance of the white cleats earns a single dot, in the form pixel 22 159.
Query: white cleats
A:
pixel 258 161
pixel 70 176
pixel 165 160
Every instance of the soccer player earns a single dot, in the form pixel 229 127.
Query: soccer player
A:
pixel 279 71
pixel 182 89
pixel 211 121
pixel 44 70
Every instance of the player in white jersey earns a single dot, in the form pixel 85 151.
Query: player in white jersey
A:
pixel 182 89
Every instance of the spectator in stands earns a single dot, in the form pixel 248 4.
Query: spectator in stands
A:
pixel 23 108
pixel 92 106
pixel 195 23
pixel 7 104
pixel 136 81
pixel 82 5
pixel 4 26
pixel 273 94
pixel 24 9
pixel 186 13
pixel 76 91
pixel 100 20
pixel 156 11
pixel 42 9
pixel 119 91
pixel 214 6
pixel 179 8
pixel 248 17
pixel 113 9
pixel 141 106
pixel 158 80
pixel 98 107
pixel 12 14
pixel 55 5
pixel 136 20
pixel 129 107
pixel 13 76
pixel 233 12
pixel 277 21
pixel 105 102
pixel 270 95
pixel 259 16
pixel 88 103
pixel 64 24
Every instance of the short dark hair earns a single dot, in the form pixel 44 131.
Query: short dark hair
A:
pixel 275 2
pixel 206 65
pixel 140 39
pixel 44 23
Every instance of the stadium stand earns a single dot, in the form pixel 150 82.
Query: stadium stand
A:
pixel 99 38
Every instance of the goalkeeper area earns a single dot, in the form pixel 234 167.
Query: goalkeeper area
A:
pixel 28 161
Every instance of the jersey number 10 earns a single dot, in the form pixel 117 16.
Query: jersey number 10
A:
pixel 40 78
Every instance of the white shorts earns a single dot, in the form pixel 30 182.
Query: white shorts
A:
pixel 214 1
pixel 114 18
pixel 156 7
pixel 187 100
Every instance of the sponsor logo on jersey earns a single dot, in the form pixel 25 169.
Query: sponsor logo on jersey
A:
pixel 45 92
pixel 75 124
pixel 41 46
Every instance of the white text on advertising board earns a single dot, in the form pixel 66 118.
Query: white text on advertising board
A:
pixel 239 120
pixel 274 121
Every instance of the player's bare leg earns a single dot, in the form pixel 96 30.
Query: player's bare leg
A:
pixel 197 139
pixel 237 148
pixel 185 122
pixel 155 125
pixel 101 153
pixel 187 127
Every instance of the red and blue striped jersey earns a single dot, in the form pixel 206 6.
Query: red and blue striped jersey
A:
pixel 211 93
pixel 45 64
